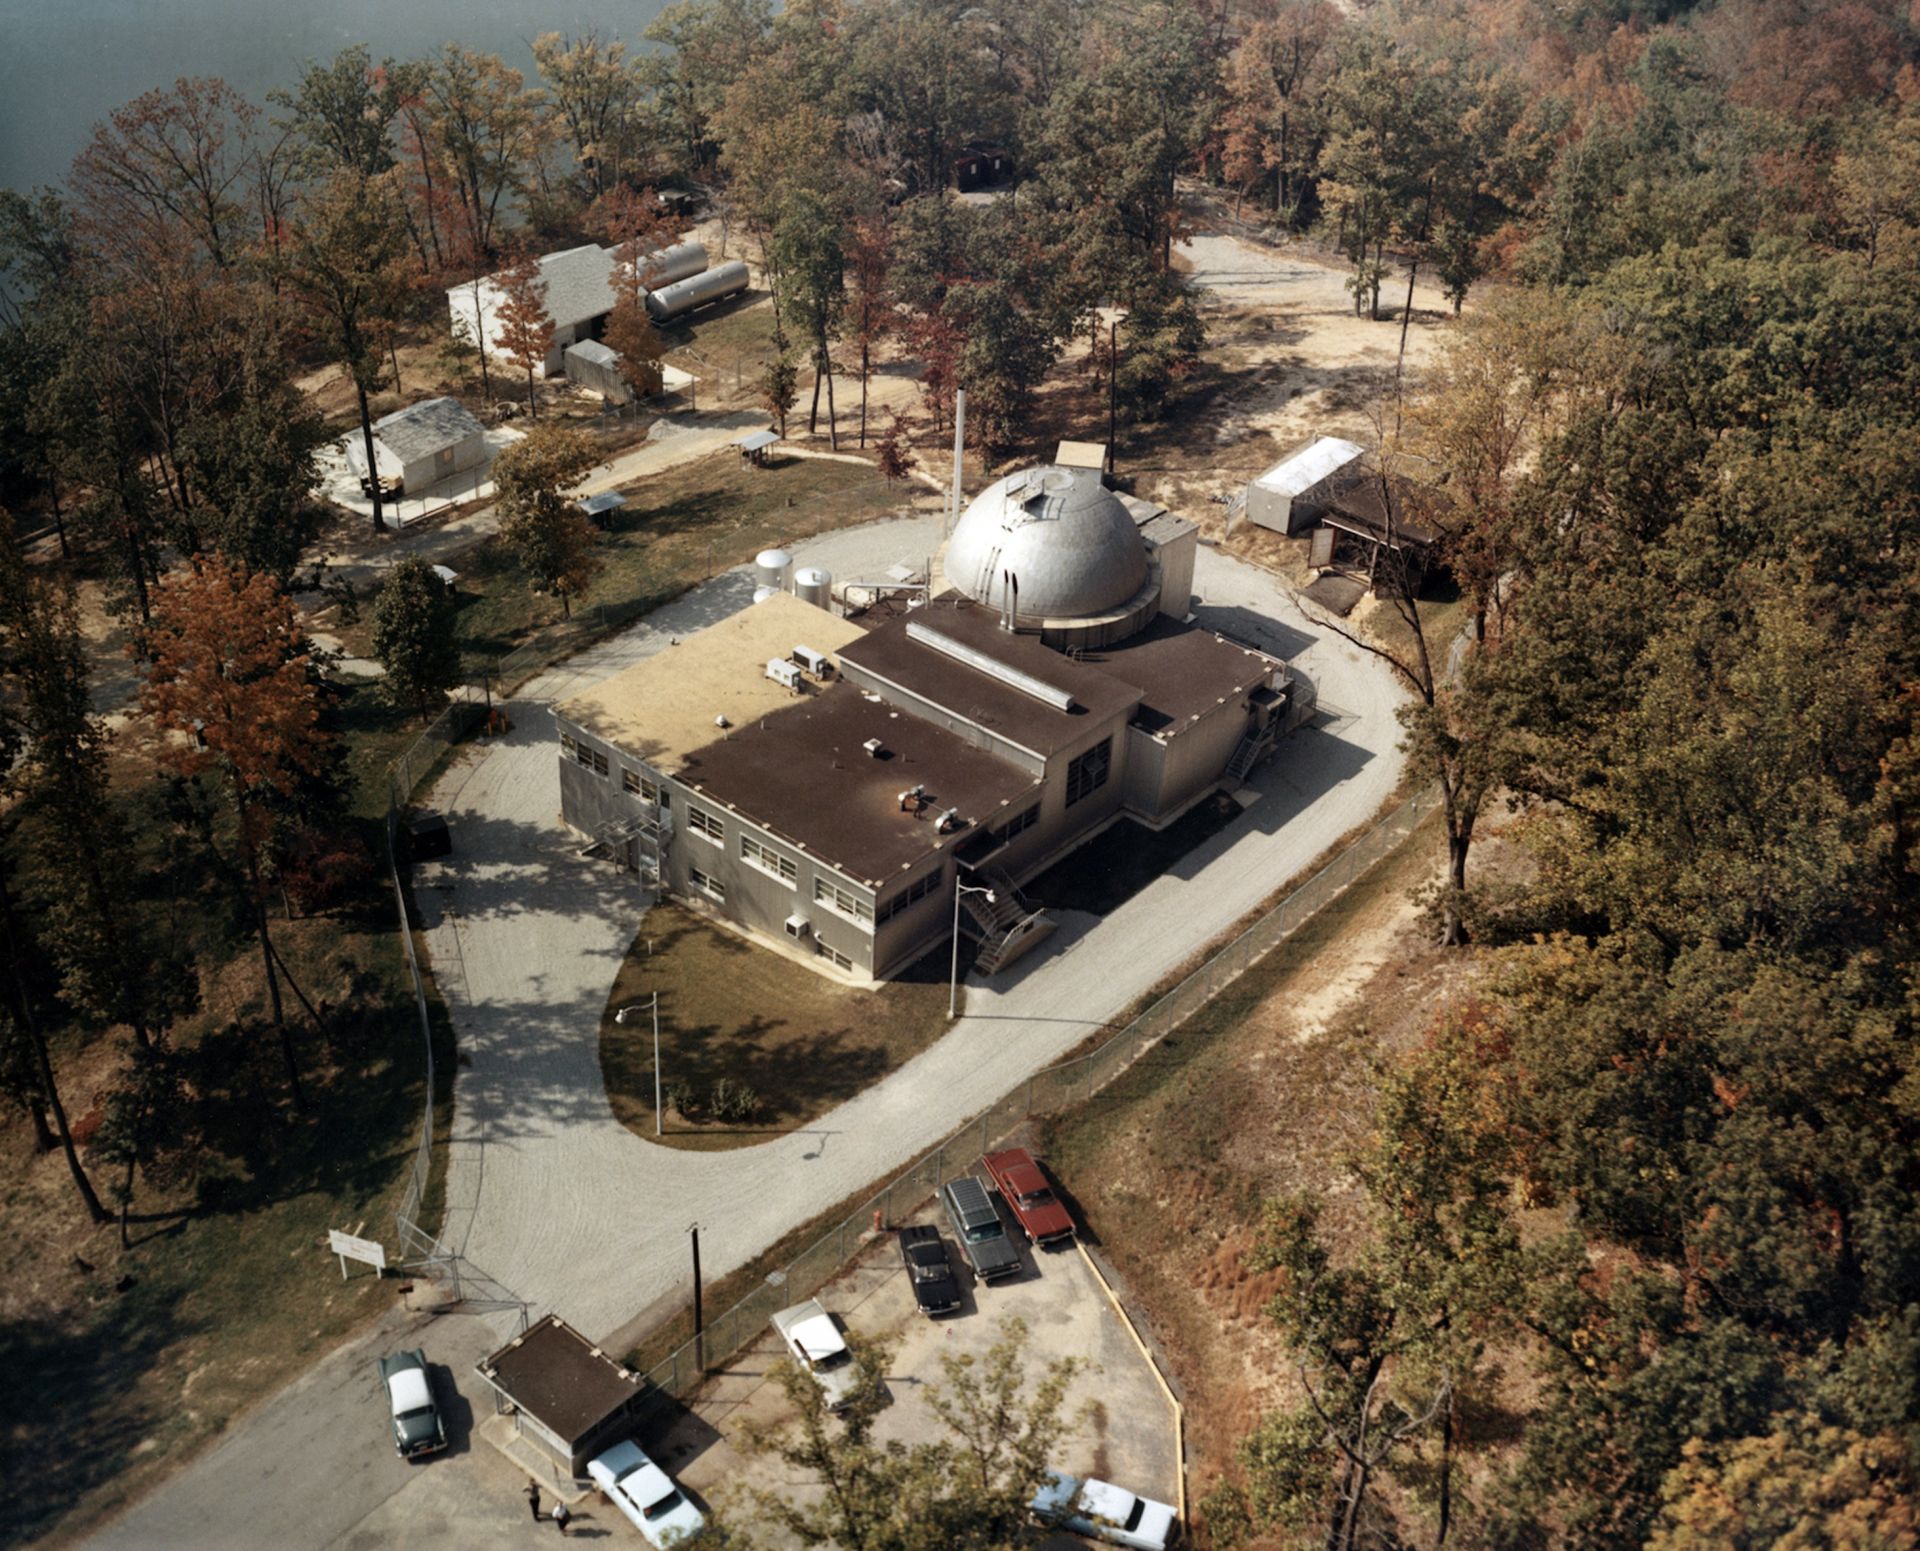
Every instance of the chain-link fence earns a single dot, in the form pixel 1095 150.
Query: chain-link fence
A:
pixel 680 1372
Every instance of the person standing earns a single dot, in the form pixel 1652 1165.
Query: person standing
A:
pixel 533 1498
pixel 560 1516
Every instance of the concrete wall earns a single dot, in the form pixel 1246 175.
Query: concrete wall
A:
pixel 1176 574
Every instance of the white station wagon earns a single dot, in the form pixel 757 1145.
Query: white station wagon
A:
pixel 1103 1511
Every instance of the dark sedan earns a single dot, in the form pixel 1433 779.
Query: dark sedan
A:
pixel 935 1287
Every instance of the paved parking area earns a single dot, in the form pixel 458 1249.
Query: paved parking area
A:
pixel 1123 1423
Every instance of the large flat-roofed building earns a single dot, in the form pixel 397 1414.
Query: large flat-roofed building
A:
pixel 824 786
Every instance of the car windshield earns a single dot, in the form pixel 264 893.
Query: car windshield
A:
pixel 662 1508
pixel 416 1413
pixel 1133 1518
pixel 1037 1197
pixel 832 1359
pixel 632 1469
pixel 987 1231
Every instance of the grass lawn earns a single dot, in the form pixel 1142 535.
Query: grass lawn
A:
pixel 122 1363
pixel 802 1042
pixel 1104 874
pixel 679 528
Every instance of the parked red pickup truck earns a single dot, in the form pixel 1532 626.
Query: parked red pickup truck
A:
pixel 1025 1188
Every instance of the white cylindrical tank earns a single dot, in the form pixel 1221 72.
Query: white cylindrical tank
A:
pixel 773 565
pixel 666 266
pixel 761 594
pixel 813 585
pixel 685 295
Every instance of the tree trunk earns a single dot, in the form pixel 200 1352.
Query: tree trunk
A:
pixel 393 355
pixel 533 406
pixel 1446 1475
pixel 1459 838
pixel 480 340
pixel 126 1205
pixel 864 368
pixel 373 467
pixel 59 520
pixel 833 425
pixel 813 409
pixel 273 984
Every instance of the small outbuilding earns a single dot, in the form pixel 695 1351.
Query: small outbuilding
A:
pixel 597 368
pixel 980 166
pixel 566 1396
pixel 1082 455
pixel 1374 524
pixel 599 509
pixel 755 446
pixel 1296 490
pixel 417 447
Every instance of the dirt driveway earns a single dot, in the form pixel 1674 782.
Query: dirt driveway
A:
pixel 1124 1423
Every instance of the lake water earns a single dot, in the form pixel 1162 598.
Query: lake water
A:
pixel 66 64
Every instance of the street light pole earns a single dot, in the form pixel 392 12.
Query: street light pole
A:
pixel 656 1063
pixel 953 978
pixel 1113 383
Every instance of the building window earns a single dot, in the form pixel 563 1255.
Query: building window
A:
pixel 642 787
pixel 581 755
pixel 630 780
pixel 768 860
pixel 706 825
pixel 1087 773
pixel 712 887
pixel 832 955
pixel 830 894
pixel 1020 822
pixel 567 746
pixel 912 894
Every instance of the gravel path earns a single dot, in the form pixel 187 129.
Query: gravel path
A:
pixel 556 1199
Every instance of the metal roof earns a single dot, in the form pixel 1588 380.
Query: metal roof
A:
pixel 753 441
pixel 1067 540
pixel 595 353
pixel 423 429
pixel 1307 467
pixel 579 284
pixel 605 501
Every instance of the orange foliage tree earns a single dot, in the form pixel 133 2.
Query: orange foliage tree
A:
pixel 230 680
pixel 526 328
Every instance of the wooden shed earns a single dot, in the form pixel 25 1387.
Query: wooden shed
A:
pixel 417 447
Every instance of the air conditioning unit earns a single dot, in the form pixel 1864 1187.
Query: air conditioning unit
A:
pixel 799 926
pixel 814 662
pixel 783 672
pixel 874 747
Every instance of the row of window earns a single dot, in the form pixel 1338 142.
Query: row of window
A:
pixel 1018 823
pixel 1087 773
pixel 644 788
pixel 708 885
pixel 832 955
pixel 589 758
pixel 827 892
pixel 768 860
pixel 706 825
pixel 912 894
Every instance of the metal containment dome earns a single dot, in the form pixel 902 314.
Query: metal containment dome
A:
pixel 1070 545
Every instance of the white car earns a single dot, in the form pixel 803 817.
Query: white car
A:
pixel 1103 1511
pixel 646 1494
pixel 817 1345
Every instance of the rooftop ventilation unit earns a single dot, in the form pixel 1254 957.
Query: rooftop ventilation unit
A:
pixel 783 672
pixel 980 662
pixel 814 662
pixel 950 820
pixel 874 747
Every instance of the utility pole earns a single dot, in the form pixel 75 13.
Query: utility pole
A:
pixel 1113 383
pixel 656 1084
pixel 699 1326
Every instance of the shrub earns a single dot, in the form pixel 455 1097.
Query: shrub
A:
pixel 733 1101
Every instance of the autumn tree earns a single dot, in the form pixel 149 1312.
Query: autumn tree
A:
pixel 231 682
pixel 597 93
pixel 343 264
pixel 780 388
pixel 870 305
pixel 343 112
pixel 547 533
pixel 525 328
pixel 484 128
pixel 806 247
pixel 893 454
pixel 639 229
pixel 414 639
pixel 180 155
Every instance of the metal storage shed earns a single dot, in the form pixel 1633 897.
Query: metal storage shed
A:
pixel 1297 489
pixel 596 367
pixel 417 447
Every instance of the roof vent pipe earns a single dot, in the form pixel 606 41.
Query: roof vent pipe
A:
pixel 959 452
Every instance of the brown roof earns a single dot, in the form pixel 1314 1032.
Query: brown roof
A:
pixel 1182 672
pixel 803 774
pixel 557 1376
pixel 663 706
pixel 890 654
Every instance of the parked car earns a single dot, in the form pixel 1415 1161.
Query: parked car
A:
pixel 1035 1207
pixel 935 1288
pixel 817 1345
pixel 415 1419
pixel 977 1225
pixel 1103 1511
pixel 646 1494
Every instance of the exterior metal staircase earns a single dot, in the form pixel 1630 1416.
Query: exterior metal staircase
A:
pixel 651 831
pixel 1003 922
pixel 1254 747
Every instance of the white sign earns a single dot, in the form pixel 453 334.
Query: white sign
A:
pixel 347 1247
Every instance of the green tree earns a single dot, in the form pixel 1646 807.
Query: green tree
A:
pixel 968 1490
pixel 343 112
pixel 547 533
pixel 414 618
pixel 807 249
pixel 780 388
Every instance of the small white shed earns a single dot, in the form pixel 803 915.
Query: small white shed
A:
pixel 417 447
pixel 596 367
pixel 1295 490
